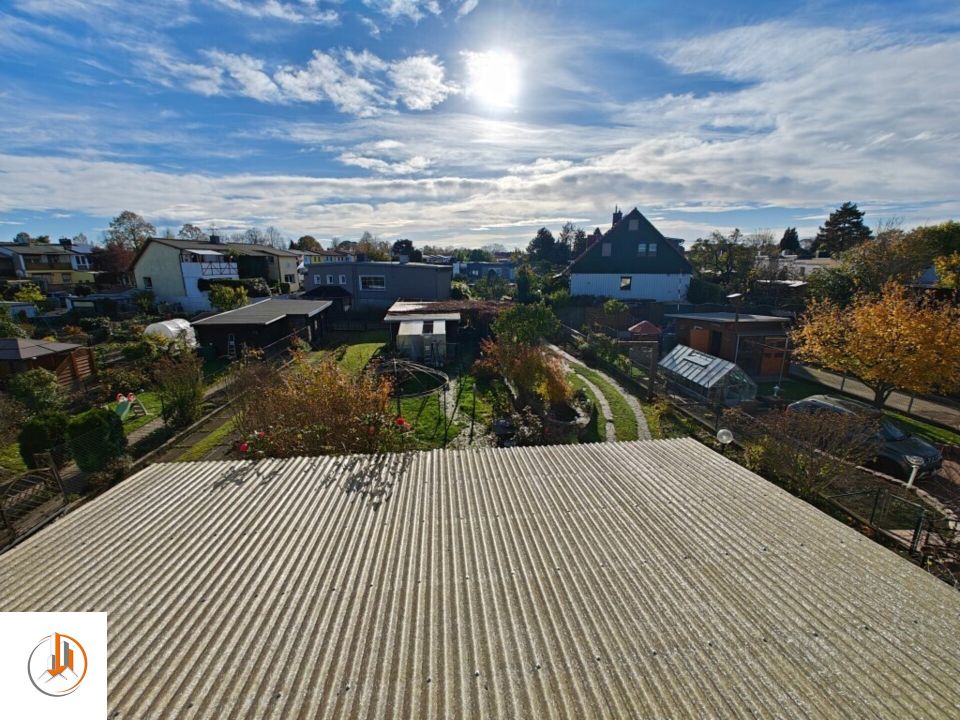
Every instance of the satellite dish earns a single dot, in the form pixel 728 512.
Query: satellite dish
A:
pixel 724 436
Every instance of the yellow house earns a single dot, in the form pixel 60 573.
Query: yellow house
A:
pixel 51 266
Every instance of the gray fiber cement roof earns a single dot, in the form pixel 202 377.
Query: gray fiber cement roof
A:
pixel 641 579
pixel 264 312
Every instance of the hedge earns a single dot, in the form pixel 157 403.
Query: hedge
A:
pixel 42 433
pixel 96 437
pixel 256 287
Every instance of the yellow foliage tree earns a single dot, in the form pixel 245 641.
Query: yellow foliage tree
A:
pixel 888 342
pixel 948 270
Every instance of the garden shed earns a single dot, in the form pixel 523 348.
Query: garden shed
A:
pixel 423 340
pixel 706 377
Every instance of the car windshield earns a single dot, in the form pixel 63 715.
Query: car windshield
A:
pixel 891 431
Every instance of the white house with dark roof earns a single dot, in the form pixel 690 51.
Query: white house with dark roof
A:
pixel 632 261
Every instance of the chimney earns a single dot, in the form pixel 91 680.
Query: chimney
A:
pixel 66 242
pixel 617 216
pixel 214 239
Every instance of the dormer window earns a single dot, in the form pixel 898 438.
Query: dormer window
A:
pixel 605 249
pixel 634 225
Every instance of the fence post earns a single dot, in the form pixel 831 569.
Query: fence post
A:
pixel 917 530
pixel 876 504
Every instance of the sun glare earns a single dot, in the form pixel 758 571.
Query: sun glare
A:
pixel 494 78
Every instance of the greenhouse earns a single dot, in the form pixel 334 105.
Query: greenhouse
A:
pixel 706 377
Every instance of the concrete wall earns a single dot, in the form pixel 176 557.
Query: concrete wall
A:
pixel 161 263
pixel 663 288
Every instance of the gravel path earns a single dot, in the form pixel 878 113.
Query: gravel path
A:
pixel 643 430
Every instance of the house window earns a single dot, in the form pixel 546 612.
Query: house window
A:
pixel 318 279
pixel 625 282
pixel 634 225
pixel 652 249
pixel 288 278
pixel 147 282
pixel 641 249
pixel 65 277
pixel 343 279
pixel 329 279
pixel 373 282
pixel 605 249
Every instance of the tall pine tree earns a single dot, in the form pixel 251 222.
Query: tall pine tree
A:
pixel 843 230
pixel 790 241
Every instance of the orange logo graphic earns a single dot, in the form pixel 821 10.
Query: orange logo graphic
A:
pixel 55 666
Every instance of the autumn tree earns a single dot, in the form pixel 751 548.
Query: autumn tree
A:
pixel 372 247
pixel 192 232
pixel 888 342
pixel 948 270
pixel 843 230
pixel 129 230
pixel 306 243
pixel 114 258
pixel 180 387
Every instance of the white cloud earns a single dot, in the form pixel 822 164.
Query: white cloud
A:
pixel 419 82
pixel 323 78
pixel 467 7
pixel 410 9
pixel 303 12
pixel 416 164
pixel 358 83
pixel 248 75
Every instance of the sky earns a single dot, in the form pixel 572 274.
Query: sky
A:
pixel 469 122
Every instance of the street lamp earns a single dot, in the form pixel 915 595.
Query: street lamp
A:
pixel 916 462
pixel 724 437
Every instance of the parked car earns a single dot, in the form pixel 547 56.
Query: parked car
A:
pixel 899 450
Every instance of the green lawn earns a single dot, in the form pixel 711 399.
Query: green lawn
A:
pixel 215 438
pixel 624 421
pixel 361 347
pixel 798 389
pixel 597 429
pixel 10 458
pixel 426 415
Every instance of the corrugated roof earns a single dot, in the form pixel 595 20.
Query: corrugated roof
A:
pixel 643 579
pixel 266 312
pixel 698 367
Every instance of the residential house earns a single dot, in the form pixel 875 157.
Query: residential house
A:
pixel 612 580
pixel 794 267
pixel 262 325
pixel 631 261
pixel 178 272
pixel 71 363
pixel 476 270
pixel 53 267
pixel 757 343
pixel 366 284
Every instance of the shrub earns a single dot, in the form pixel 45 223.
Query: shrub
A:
pixel 96 438
pixel 28 292
pixel 12 414
pixel 37 389
pixel 141 350
pixel 122 380
pixel 224 298
pixel 42 433
pixel 702 291
pixel 315 409
pixel 180 385
pixel 615 307
pixel 525 324
pixel 10 327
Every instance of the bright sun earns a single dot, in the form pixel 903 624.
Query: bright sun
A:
pixel 494 78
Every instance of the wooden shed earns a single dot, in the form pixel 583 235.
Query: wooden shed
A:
pixel 71 363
